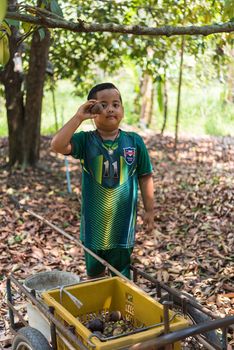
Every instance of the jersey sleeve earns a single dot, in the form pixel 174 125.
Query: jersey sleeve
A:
pixel 144 166
pixel 78 145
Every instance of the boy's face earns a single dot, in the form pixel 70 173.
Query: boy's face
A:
pixel 113 111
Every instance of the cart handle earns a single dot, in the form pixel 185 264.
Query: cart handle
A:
pixel 75 300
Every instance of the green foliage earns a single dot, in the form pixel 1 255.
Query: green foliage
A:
pixel 84 57
pixel 3 7
pixel 79 56
pixel 4 48
pixel 203 108
pixel 13 22
pixel 160 93
pixel 213 128
pixel 27 27
pixel 228 12
pixel 5 32
pixel 41 32
pixel 55 8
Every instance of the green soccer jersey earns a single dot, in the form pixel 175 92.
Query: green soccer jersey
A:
pixel 110 187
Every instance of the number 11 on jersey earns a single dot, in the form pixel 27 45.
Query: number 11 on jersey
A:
pixel 107 170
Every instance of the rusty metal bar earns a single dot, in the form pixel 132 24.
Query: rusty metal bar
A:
pixel 9 298
pixel 67 333
pixel 53 330
pixel 207 345
pixel 66 342
pixel 186 332
pixel 158 290
pixel 135 274
pixel 166 306
pixel 16 312
pixel 184 302
pixel 224 338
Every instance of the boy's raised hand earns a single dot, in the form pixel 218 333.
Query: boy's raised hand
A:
pixel 61 142
pixel 89 110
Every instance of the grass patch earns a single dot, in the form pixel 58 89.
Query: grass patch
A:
pixel 203 111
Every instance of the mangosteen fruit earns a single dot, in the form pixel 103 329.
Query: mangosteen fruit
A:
pixel 115 316
pixel 96 325
pixel 96 108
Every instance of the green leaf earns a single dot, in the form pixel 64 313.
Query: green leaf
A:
pixel 3 7
pixel 41 32
pixel 26 27
pixel 44 4
pixel 4 27
pixel 55 8
pixel 4 48
pixel 13 22
pixel 228 9
pixel 18 238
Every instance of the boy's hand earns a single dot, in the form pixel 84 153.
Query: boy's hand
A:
pixel 85 110
pixel 61 142
pixel 148 221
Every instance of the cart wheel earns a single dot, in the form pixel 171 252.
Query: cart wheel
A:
pixel 199 317
pixel 28 338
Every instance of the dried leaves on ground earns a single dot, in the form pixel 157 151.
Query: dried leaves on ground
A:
pixel 191 248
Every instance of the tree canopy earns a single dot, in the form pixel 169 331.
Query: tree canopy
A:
pixel 92 35
pixel 133 17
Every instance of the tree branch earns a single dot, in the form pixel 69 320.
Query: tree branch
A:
pixel 84 27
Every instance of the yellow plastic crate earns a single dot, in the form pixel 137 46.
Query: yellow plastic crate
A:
pixel 107 295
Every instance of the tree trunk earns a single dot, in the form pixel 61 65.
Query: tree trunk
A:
pixel 165 103
pixel 14 95
pixel 151 110
pixel 179 91
pixel 137 99
pixel 230 78
pixel 24 118
pixel 146 107
pixel 35 83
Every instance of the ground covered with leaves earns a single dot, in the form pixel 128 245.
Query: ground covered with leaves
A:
pixel 191 248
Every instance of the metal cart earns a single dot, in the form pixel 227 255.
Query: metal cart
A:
pixel 64 335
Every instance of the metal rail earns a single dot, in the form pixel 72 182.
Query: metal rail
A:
pixel 184 333
pixel 178 297
pixel 188 304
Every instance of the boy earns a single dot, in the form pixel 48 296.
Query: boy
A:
pixel 113 161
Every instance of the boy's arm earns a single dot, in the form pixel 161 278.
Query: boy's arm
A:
pixel 147 192
pixel 61 140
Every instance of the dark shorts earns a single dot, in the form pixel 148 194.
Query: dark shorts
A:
pixel 119 258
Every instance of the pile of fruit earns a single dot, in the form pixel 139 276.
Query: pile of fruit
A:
pixel 112 324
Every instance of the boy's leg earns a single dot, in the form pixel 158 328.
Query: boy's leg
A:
pixel 103 274
pixel 120 258
pixel 93 267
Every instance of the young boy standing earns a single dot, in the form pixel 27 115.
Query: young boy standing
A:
pixel 113 162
